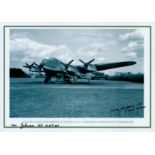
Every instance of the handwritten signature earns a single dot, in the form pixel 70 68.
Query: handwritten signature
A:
pixel 130 107
pixel 26 125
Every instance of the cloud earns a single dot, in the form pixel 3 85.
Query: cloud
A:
pixel 100 36
pixel 134 49
pixel 104 47
pixel 133 43
pixel 23 50
pixel 137 34
pixel 131 54
pixel 18 35
pixel 96 50
pixel 88 53
pixel 133 46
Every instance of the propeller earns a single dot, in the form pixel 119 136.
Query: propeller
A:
pixel 29 66
pixel 70 62
pixel 67 65
pixel 86 63
pixel 39 66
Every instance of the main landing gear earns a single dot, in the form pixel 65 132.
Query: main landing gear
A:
pixel 68 79
pixel 72 79
pixel 46 80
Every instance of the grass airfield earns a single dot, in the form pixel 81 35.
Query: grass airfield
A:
pixel 31 98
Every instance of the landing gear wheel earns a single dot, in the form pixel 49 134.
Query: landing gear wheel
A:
pixel 47 78
pixel 73 79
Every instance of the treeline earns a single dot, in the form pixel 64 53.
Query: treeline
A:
pixel 139 77
pixel 16 72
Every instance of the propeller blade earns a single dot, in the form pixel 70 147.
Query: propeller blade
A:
pixel 81 61
pixel 90 61
pixel 39 66
pixel 26 66
pixel 67 65
pixel 32 64
pixel 86 63
pixel 70 62
pixel 36 64
pixel 29 66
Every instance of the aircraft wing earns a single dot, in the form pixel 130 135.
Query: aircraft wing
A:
pixel 100 67
pixel 105 66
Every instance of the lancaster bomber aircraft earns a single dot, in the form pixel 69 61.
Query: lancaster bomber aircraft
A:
pixel 70 73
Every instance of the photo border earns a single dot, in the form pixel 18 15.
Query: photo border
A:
pixel 150 82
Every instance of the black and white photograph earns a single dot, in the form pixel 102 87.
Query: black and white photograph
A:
pixel 77 76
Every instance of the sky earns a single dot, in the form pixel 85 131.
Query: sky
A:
pixel 105 45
